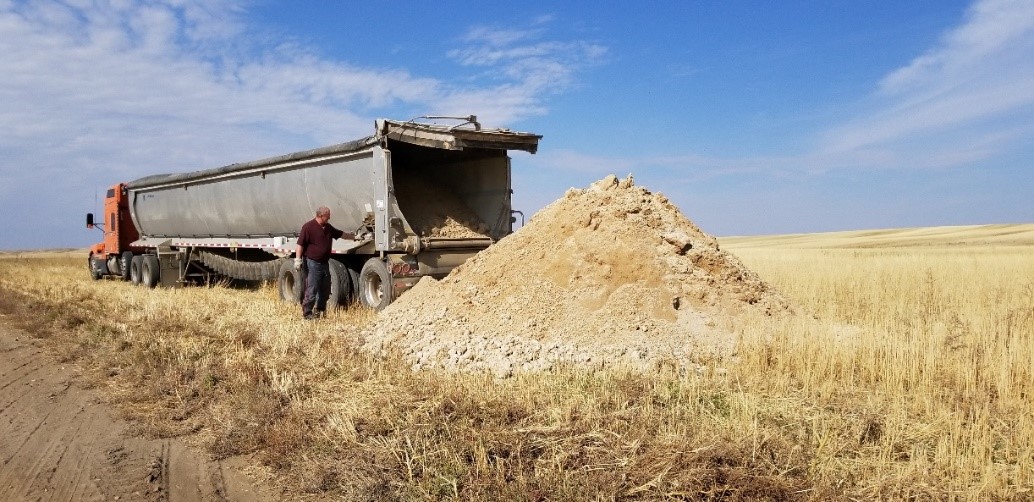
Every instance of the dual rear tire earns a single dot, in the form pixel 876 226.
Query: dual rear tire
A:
pixel 144 269
pixel 375 289
pixel 150 271
pixel 371 286
pixel 291 284
pixel 134 269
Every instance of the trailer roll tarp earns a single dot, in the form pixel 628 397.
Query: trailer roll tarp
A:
pixel 282 160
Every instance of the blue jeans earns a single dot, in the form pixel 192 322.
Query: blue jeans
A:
pixel 317 288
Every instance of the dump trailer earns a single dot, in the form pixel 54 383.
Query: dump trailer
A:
pixel 420 198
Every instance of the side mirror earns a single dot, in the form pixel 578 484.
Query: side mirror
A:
pixel 89 220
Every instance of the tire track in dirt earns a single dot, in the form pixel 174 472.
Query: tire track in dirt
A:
pixel 58 442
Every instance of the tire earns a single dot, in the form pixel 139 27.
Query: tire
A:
pixel 125 264
pixel 95 271
pixel 134 269
pixel 375 284
pixel 341 286
pixel 353 276
pixel 290 282
pixel 149 271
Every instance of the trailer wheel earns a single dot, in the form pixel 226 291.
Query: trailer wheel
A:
pixel 341 285
pixel 149 271
pixel 375 284
pixel 125 262
pixel 134 269
pixel 353 277
pixel 290 282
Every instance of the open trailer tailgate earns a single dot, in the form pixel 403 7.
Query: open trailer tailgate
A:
pixel 468 134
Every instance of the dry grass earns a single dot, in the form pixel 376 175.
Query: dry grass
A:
pixel 937 383
pixel 927 396
pixel 924 237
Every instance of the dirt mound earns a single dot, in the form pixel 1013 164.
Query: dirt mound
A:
pixel 612 274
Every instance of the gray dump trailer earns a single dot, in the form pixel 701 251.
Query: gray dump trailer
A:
pixel 421 198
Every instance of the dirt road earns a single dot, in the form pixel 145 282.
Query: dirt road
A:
pixel 59 442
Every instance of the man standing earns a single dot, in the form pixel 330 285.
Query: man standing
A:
pixel 314 247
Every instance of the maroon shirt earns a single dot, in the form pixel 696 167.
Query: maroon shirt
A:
pixel 316 240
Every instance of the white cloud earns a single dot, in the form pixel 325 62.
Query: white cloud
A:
pixel 993 27
pixel 499 37
pixel 977 81
pixel 97 92
pixel 540 66
pixel 182 60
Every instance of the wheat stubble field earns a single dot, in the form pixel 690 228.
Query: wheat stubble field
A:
pixel 915 383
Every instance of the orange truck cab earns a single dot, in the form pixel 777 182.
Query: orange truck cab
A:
pixel 113 255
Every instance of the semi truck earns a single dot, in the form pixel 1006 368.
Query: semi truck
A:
pixel 421 196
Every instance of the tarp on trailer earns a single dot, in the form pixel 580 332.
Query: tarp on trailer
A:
pixel 458 137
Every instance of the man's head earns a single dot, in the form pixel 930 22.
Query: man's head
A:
pixel 323 215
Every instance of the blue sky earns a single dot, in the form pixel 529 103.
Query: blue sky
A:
pixel 753 117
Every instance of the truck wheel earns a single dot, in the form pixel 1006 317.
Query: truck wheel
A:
pixel 353 277
pixel 95 271
pixel 149 271
pixel 125 261
pixel 290 282
pixel 134 269
pixel 340 285
pixel 375 284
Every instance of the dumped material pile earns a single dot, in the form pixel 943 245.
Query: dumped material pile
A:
pixel 612 274
pixel 434 211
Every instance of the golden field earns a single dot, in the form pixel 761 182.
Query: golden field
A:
pixel 912 378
